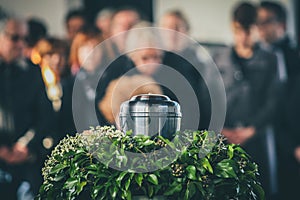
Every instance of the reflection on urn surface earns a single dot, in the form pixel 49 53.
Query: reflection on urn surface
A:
pixel 150 114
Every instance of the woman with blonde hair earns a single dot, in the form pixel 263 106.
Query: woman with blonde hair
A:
pixel 146 58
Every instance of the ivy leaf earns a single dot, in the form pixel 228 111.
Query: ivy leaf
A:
pixel 57 168
pixel 126 195
pixel 230 151
pixel 206 164
pixel 127 183
pixel 258 191
pixel 59 177
pixel 174 188
pixel 70 183
pixel 190 191
pixel 139 179
pixel 96 190
pixel 150 190
pixel 148 142
pixel 113 192
pixel 242 152
pixel 224 169
pixel 92 167
pixel 120 178
pixel 191 169
pixel 152 178
pixel 80 186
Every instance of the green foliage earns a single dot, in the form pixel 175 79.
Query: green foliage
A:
pixel 199 166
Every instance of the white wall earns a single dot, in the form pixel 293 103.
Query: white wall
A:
pixel 210 19
pixel 52 12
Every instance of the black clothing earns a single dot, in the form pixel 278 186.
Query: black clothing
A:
pixel 64 116
pixel 24 106
pixel 23 97
pixel 291 56
pixel 287 121
pixel 186 63
pixel 288 138
pixel 252 87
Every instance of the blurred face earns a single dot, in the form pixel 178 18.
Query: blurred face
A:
pixel 57 62
pixel 147 61
pixel 73 26
pixel 172 39
pixel 243 38
pixel 269 28
pixel 89 56
pixel 123 21
pixel 103 23
pixel 12 40
pixel 174 23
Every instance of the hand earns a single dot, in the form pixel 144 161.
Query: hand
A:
pixel 16 155
pixel 230 134
pixel 4 152
pixel 297 153
pixel 238 135
pixel 20 153
pixel 243 134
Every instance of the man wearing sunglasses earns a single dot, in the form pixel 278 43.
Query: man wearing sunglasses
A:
pixel 272 19
pixel 272 23
pixel 25 111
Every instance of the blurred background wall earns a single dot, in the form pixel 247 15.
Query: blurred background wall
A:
pixel 209 18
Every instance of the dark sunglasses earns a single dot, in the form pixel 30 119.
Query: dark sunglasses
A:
pixel 15 37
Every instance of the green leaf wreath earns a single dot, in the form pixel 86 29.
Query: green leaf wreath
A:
pixel 199 166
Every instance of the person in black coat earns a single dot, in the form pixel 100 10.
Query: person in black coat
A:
pixel 183 56
pixel 53 53
pixel 252 85
pixel 272 23
pixel 26 117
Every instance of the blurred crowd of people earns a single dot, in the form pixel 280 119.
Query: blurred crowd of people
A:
pixel 51 87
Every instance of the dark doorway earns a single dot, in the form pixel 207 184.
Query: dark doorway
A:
pixel 92 7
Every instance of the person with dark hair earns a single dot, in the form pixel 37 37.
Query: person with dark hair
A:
pixel 53 54
pixel 26 117
pixel 272 26
pixel 245 16
pixel 74 21
pixel 36 31
pixel 272 23
pixel 252 86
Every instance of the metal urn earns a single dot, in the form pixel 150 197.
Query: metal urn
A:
pixel 150 114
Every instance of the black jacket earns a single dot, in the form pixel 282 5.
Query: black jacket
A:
pixel 252 87
pixel 24 102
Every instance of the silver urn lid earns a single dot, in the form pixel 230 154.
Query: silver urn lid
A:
pixel 150 114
